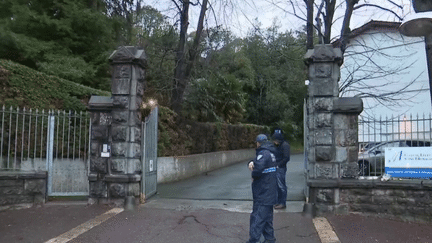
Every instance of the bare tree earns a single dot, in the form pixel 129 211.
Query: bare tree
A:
pixel 322 15
pixel 186 55
pixel 361 65
pixel 185 64
pixel 377 72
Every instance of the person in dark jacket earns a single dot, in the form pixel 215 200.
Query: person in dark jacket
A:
pixel 264 192
pixel 282 158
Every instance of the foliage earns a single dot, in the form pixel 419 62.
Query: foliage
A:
pixel 178 137
pixel 219 99
pixel 159 40
pixel 216 93
pixel 277 90
pixel 257 79
pixel 25 87
pixel 63 38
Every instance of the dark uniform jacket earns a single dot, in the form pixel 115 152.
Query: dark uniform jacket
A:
pixel 264 185
pixel 283 154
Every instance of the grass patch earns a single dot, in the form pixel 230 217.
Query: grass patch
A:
pixel 296 147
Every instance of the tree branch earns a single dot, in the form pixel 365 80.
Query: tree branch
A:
pixel 380 7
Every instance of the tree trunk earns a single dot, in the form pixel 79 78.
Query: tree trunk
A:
pixel 184 67
pixel 309 24
pixel 345 32
pixel 179 84
pixel 328 21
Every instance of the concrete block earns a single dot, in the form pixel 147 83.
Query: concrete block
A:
pixel 323 137
pixel 349 170
pixel 341 154
pixel 105 118
pixel 323 153
pixel 120 86
pixel 121 102
pixel 118 165
pixel 119 133
pixel 98 189
pixel 323 104
pixel 322 120
pixel 35 186
pixel 136 134
pixel 120 117
pixel 117 190
pixel 119 149
pixel 98 164
pixel 323 87
pixel 323 70
pixel 99 132
pixel 324 170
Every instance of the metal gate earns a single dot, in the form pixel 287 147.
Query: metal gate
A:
pixel 53 141
pixel 306 149
pixel 149 154
pixel 68 156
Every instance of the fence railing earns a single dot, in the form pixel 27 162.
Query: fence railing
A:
pixel 377 134
pixel 32 134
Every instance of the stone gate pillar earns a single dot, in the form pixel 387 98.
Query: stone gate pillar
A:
pixel 115 164
pixel 331 142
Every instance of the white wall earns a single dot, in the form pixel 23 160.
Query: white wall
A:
pixel 377 53
pixel 171 169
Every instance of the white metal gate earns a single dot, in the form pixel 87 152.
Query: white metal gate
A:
pixel 149 154
pixel 53 141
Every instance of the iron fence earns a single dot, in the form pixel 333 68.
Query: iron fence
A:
pixel 25 135
pixel 377 134
pixel 53 141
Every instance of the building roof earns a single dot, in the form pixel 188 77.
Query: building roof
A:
pixel 372 25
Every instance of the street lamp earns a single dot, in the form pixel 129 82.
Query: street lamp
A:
pixel 420 24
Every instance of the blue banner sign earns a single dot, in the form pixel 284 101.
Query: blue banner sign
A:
pixel 409 162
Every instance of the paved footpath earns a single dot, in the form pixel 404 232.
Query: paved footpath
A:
pixel 166 220
pixel 159 220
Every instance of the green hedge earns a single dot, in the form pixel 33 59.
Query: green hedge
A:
pixel 25 87
pixel 179 137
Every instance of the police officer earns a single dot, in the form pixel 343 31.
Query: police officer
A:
pixel 264 193
pixel 282 158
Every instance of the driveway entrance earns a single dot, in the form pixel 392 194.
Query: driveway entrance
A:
pixel 232 183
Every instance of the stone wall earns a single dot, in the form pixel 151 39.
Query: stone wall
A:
pixel 115 161
pixel 332 153
pixel 407 200
pixel 22 189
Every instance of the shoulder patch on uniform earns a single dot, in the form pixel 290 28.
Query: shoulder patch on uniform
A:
pixel 259 157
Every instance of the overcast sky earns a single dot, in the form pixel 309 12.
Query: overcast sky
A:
pixel 242 16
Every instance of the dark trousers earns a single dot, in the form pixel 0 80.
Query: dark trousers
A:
pixel 261 223
pixel 282 187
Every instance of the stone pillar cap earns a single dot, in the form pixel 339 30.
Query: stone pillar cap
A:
pixel 348 105
pixel 324 53
pixel 129 54
pixel 100 102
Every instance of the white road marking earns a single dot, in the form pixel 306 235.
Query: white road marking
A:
pixel 75 232
pixel 325 231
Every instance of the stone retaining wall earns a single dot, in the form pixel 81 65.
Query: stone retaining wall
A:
pixel 408 200
pixel 22 189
